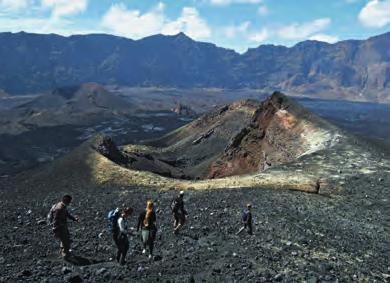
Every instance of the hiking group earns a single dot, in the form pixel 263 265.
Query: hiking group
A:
pixel 118 225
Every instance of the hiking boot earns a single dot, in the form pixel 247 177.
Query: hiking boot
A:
pixel 144 251
pixel 150 256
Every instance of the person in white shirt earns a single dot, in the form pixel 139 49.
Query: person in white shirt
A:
pixel 122 240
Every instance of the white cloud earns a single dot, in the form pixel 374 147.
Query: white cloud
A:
pixel 134 24
pixel 31 16
pixel 42 25
pixel 190 23
pixel 376 13
pixel 14 5
pixel 62 8
pixel 259 36
pixel 304 30
pixel 229 2
pixel 232 31
pixel 262 10
pixel 324 38
pixel 26 24
pixel 295 31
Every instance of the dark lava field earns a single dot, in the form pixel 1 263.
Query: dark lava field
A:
pixel 298 237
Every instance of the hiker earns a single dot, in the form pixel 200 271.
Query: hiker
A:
pixel 147 223
pixel 112 217
pixel 178 211
pixel 119 232
pixel 247 220
pixel 58 217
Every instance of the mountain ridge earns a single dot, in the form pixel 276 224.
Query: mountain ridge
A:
pixel 349 69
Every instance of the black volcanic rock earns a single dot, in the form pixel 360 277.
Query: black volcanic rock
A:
pixel 290 230
pixel 349 69
pixel 106 146
pixel 183 110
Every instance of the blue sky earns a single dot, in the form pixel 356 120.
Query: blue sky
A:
pixel 236 24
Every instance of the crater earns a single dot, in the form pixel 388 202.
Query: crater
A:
pixel 244 137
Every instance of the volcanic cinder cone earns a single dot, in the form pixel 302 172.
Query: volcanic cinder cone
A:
pixel 275 143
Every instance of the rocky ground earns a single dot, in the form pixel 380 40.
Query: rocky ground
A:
pixel 298 237
pixel 338 233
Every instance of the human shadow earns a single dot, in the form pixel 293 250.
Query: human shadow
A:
pixel 188 235
pixel 81 261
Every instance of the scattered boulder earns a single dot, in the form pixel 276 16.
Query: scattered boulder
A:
pixel 73 278
pixel 278 277
pixel 66 270
pixel 106 146
pixel 26 273
pixel 183 110
pixel 101 271
pixel 203 137
pixel 42 222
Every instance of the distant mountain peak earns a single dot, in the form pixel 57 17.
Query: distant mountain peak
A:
pixel 311 43
pixel 182 35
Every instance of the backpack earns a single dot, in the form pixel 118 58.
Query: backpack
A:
pixel 174 205
pixel 112 219
pixel 245 215
pixel 50 215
